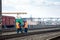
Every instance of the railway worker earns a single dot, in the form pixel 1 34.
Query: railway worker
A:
pixel 20 25
pixel 25 26
pixel 17 27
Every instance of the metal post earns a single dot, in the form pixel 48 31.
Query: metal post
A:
pixel 57 20
pixel 43 20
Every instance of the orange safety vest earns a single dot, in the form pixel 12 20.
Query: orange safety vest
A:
pixel 17 25
pixel 25 24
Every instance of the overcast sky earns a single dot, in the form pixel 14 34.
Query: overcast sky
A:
pixel 36 8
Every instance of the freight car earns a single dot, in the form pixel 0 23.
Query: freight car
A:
pixel 8 21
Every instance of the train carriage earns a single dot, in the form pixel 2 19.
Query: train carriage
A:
pixel 8 21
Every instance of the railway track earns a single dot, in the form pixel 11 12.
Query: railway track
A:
pixel 56 38
pixel 12 30
pixel 23 34
pixel 43 36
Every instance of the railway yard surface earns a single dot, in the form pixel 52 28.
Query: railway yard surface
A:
pixel 42 34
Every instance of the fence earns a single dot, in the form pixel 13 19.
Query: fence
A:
pixel 43 22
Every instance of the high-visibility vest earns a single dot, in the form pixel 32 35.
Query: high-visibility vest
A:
pixel 25 24
pixel 17 25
